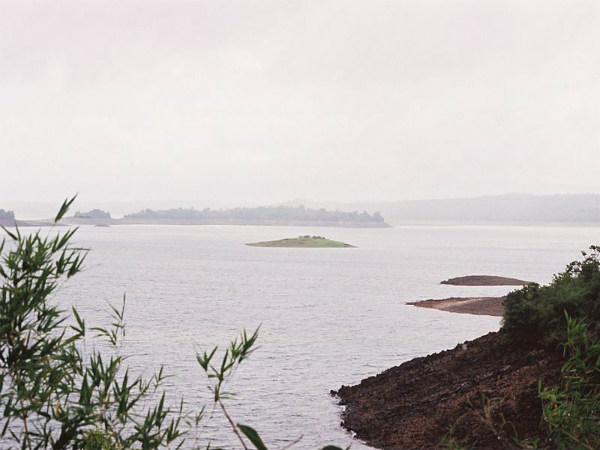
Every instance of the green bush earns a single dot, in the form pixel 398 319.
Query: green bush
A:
pixel 566 311
pixel 572 409
pixel 97 440
pixel 538 311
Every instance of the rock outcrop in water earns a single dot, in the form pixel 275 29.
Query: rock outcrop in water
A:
pixel 483 306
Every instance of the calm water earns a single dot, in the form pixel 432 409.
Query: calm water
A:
pixel 328 316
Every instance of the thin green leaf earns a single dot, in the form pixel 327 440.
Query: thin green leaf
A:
pixel 251 434
pixel 64 208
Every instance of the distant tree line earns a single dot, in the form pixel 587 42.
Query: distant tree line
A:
pixel 93 214
pixel 10 215
pixel 259 214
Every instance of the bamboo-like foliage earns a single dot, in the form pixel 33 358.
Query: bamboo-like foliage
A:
pixel 572 409
pixel 54 395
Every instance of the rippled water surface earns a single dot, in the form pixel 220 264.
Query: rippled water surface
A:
pixel 328 316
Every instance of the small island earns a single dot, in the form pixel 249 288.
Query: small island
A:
pixel 485 280
pixel 303 242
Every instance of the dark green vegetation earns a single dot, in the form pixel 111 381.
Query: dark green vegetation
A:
pixel 303 242
pixel 538 311
pixel 264 215
pixel 571 410
pixel 58 391
pixel 567 313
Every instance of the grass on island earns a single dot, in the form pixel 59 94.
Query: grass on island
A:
pixel 485 280
pixel 303 242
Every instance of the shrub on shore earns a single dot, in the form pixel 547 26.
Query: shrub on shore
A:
pixel 537 312
pixel 567 311
pixel 571 410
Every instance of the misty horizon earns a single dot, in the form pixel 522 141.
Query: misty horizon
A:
pixel 264 102
pixel 365 183
pixel 566 205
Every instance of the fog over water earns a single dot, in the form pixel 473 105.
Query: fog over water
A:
pixel 229 102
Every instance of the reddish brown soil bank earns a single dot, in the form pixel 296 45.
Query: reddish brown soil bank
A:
pixel 485 280
pixel 417 404
pixel 486 306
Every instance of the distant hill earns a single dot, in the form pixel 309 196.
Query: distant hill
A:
pixel 510 208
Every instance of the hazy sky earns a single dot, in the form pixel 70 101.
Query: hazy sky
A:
pixel 266 101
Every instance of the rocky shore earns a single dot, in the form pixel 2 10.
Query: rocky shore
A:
pixel 487 306
pixel 483 394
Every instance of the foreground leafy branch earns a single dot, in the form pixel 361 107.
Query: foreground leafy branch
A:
pixel 572 409
pixel 54 395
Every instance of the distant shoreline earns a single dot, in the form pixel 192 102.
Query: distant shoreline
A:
pixel 10 223
pixel 256 216
pixel 119 222
pixel 267 223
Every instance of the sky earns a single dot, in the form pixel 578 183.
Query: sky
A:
pixel 247 102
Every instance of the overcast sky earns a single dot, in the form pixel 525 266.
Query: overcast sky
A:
pixel 267 101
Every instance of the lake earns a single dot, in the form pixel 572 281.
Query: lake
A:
pixel 328 316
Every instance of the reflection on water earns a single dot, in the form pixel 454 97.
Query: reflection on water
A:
pixel 328 316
